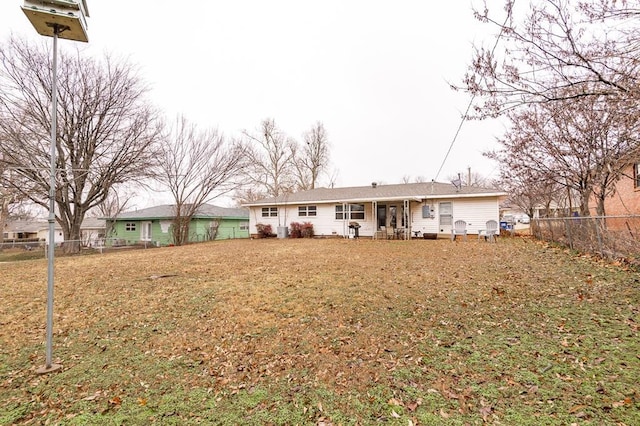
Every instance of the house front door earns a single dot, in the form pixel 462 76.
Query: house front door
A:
pixel 145 231
pixel 382 216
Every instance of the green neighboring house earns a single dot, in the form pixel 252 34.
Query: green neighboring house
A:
pixel 153 225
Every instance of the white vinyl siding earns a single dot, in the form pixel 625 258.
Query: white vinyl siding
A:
pixel 330 219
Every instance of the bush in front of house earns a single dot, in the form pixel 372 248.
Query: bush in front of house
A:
pixel 307 230
pixel 301 230
pixel 264 230
pixel 295 230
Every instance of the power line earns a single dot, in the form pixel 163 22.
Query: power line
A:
pixel 464 117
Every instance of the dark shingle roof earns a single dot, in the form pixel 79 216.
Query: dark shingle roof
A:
pixel 420 191
pixel 167 211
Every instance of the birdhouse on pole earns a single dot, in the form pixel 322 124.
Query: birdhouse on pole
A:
pixel 64 17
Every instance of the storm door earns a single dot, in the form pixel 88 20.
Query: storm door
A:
pixel 446 217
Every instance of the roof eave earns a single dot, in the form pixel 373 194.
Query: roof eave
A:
pixel 380 198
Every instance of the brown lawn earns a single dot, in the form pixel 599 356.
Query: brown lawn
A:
pixel 324 332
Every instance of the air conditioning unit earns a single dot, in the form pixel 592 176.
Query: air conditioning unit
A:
pixel 67 15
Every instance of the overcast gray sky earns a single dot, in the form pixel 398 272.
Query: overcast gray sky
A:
pixel 376 73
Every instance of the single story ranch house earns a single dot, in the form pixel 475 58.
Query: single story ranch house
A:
pixel 380 211
pixel 153 225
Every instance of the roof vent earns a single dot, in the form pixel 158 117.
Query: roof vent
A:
pixel 374 184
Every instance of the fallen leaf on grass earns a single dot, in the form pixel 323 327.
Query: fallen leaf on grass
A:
pixel 622 403
pixel 485 412
pixel 90 397
pixel 395 402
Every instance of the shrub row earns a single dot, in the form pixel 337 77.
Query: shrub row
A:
pixel 297 230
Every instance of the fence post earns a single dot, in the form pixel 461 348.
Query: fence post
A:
pixel 598 236
pixel 567 228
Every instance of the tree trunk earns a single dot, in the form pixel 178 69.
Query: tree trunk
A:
pixel 181 230
pixel 585 195
pixel 72 232
pixel 4 214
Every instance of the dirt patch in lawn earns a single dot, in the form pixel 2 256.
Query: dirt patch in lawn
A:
pixel 324 332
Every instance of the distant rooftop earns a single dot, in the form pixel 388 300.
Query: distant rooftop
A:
pixel 167 211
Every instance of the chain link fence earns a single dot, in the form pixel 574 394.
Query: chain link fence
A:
pixel 33 248
pixel 613 237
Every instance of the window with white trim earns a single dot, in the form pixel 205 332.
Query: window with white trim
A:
pixel 636 176
pixel 244 226
pixel 130 226
pixel 269 212
pixel 354 212
pixel 307 211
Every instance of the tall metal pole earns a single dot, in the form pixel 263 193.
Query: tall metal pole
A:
pixel 49 366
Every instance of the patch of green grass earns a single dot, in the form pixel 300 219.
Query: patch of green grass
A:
pixel 18 255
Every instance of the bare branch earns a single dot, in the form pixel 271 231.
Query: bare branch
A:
pixel 106 130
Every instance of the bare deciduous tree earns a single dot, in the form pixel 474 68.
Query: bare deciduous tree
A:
pixel 591 48
pixel 247 195
pixel 530 191
pixel 196 167
pixel 6 198
pixel 105 134
pixel 313 159
pixel 271 155
pixel 12 200
pixel 580 144
pixel 116 202
pixel 469 178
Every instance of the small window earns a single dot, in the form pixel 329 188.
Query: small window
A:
pixel 636 175
pixel 244 226
pixel 130 226
pixel 269 212
pixel 339 212
pixel 307 211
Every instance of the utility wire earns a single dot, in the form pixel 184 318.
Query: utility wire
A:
pixel 464 117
